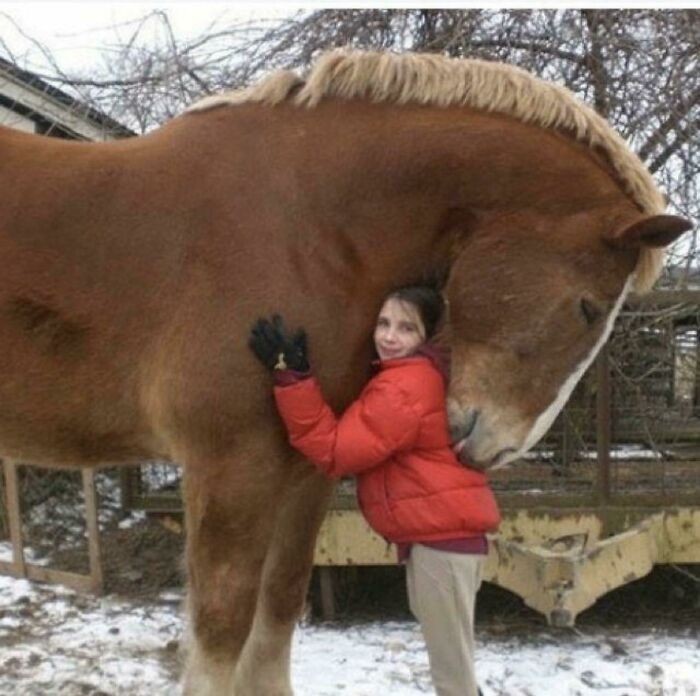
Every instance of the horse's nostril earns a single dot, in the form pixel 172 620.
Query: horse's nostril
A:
pixel 470 424
pixel 463 426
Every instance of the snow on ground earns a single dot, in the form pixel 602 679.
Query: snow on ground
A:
pixel 54 641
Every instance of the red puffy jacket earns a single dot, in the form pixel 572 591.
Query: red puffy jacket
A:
pixel 410 485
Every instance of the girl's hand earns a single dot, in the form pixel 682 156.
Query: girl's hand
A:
pixel 276 348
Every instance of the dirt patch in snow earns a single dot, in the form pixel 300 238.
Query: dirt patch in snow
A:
pixel 138 561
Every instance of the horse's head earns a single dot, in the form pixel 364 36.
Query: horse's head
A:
pixel 525 326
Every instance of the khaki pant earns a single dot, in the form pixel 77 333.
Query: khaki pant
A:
pixel 442 589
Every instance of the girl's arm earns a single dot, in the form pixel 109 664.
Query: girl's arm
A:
pixel 380 423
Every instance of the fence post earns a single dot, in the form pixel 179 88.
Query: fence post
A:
pixel 603 424
pixel 14 515
pixel 93 529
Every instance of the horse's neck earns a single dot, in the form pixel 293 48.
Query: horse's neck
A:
pixel 483 161
pixel 399 183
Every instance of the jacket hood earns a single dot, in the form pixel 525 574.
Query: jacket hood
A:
pixel 439 356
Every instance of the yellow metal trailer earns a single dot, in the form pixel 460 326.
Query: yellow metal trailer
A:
pixel 559 563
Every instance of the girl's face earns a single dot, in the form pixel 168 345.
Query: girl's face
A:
pixel 399 331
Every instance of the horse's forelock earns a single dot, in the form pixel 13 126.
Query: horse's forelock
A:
pixel 497 87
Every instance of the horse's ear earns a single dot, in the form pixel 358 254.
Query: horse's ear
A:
pixel 653 231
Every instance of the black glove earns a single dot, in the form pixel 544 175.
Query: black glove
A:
pixel 276 348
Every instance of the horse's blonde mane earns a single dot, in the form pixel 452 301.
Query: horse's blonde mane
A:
pixel 497 87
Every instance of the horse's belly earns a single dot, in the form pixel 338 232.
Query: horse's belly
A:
pixel 38 439
pixel 52 414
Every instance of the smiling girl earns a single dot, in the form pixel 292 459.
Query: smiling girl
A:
pixel 412 489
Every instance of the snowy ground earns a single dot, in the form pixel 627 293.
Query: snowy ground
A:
pixel 56 642
pixel 53 641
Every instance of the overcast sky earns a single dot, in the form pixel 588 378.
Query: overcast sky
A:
pixel 76 31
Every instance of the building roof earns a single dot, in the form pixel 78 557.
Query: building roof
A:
pixel 28 94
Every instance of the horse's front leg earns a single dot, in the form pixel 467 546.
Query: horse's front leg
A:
pixel 230 507
pixel 264 667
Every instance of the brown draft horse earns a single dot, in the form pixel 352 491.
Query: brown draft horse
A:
pixel 131 273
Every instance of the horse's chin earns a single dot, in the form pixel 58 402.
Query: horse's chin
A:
pixel 501 460
pixel 479 445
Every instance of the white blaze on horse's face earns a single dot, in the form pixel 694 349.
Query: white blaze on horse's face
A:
pixel 545 419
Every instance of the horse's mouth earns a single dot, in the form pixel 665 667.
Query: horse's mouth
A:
pixel 467 433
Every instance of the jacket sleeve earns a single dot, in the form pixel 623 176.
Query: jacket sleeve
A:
pixel 381 422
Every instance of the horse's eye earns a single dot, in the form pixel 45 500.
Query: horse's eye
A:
pixel 591 312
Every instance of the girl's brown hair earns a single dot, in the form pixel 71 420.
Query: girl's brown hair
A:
pixel 427 300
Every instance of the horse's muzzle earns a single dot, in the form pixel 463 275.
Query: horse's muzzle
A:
pixel 473 441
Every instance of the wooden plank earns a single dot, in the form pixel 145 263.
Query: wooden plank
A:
pixel 345 538
pixel 14 515
pixel 664 297
pixel 93 528
pixel 9 568
pixel 159 503
pixel 75 581
pixel 679 537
